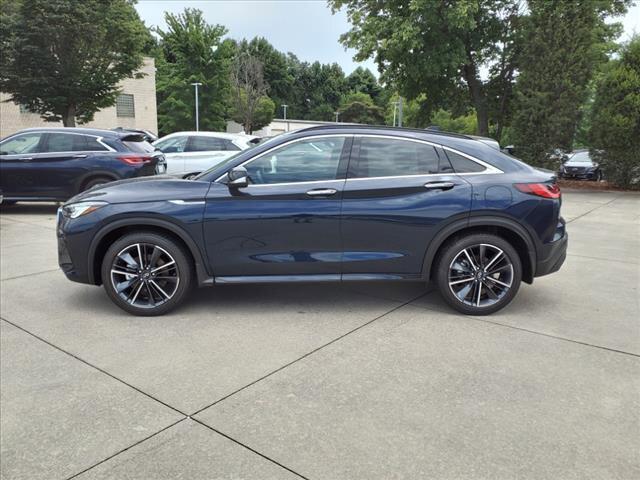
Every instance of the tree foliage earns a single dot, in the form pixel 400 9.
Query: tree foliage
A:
pixel 64 58
pixel 250 88
pixel 435 48
pixel 615 124
pixel 565 43
pixel 358 107
pixel 191 50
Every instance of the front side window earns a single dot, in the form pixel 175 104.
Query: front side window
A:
pixel 206 144
pixel 310 160
pixel 21 144
pixel 172 145
pixel 386 157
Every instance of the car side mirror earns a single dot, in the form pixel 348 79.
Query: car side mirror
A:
pixel 238 177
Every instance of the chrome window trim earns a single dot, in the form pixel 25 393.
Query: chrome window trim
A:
pixel 97 137
pixel 489 169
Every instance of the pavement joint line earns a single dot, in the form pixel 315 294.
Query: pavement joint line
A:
pixel 602 259
pixel 29 223
pixel 549 335
pixel 126 448
pixel 30 274
pixel 273 372
pixel 94 366
pixel 249 448
pixel 594 209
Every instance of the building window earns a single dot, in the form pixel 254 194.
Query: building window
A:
pixel 125 106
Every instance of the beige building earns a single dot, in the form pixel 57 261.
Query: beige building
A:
pixel 135 108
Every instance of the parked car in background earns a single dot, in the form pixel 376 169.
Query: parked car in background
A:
pixel 328 203
pixel 148 136
pixel 580 165
pixel 54 164
pixel 190 153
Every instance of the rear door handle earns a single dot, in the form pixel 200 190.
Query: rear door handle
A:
pixel 439 185
pixel 322 192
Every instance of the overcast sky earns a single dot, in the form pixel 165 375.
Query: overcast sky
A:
pixel 304 27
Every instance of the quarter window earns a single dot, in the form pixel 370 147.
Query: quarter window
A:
pixel 310 160
pixel 384 157
pixel 125 106
pixel 463 164
pixel 21 144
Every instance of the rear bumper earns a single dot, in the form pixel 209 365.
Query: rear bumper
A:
pixel 555 255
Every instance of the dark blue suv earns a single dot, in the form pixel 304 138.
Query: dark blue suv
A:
pixel 331 203
pixel 45 164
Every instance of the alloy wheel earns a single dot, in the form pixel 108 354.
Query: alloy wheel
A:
pixel 480 275
pixel 145 275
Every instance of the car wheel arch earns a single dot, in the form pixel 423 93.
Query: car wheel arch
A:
pixel 116 229
pixel 504 227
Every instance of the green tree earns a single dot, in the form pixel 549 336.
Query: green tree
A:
pixel 64 58
pixel 193 52
pixel 565 43
pixel 434 47
pixel 466 124
pixel 359 108
pixel 250 100
pixel 615 124
pixel 361 80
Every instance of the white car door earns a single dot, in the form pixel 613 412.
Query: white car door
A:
pixel 174 152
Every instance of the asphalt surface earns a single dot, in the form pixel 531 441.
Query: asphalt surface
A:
pixel 357 381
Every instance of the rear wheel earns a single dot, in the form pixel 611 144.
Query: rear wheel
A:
pixel 478 274
pixel 94 182
pixel 147 273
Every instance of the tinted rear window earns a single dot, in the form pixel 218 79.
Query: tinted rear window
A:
pixel 138 147
pixel 463 164
pixel 384 157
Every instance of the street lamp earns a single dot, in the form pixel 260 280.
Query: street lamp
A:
pixel 284 107
pixel 197 84
pixel 337 115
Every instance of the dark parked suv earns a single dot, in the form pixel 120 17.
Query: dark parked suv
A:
pixel 56 163
pixel 330 203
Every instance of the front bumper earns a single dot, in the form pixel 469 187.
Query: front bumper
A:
pixel 73 265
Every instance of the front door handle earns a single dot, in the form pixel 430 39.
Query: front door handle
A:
pixel 80 155
pixel 322 192
pixel 439 185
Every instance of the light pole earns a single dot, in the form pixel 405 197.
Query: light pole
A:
pixel 337 115
pixel 284 107
pixel 197 84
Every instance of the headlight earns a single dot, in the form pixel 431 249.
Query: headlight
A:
pixel 76 210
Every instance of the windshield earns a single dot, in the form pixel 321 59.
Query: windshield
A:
pixel 580 157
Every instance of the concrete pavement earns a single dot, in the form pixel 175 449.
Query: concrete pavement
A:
pixel 357 381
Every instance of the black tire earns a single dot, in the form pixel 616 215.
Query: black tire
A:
pixel 94 182
pixel 121 279
pixel 482 247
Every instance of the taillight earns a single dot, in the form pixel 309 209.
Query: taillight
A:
pixel 130 159
pixel 546 190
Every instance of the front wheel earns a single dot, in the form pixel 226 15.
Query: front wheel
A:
pixel 147 273
pixel 478 274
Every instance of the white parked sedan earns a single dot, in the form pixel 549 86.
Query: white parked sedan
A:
pixel 189 153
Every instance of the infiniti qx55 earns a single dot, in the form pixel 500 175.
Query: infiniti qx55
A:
pixel 331 203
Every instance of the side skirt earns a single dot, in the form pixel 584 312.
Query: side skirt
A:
pixel 347 277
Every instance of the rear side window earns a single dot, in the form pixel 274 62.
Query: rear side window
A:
pixel 463 164
pixel 230 146
pixel 205 144
pixel 383 157
pixel 65 142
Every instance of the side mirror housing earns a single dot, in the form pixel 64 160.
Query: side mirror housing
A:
pixel 238 177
